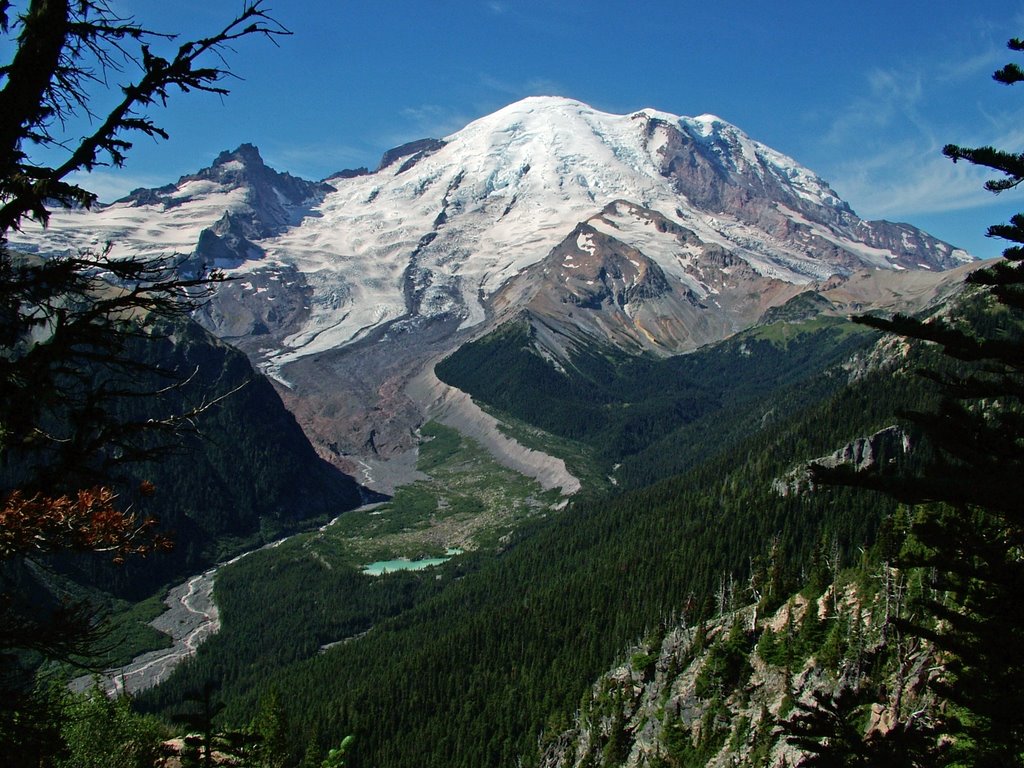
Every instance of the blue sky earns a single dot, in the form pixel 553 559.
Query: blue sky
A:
pixel 864 93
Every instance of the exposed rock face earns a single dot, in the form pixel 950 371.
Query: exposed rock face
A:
pixel 867 452
pixel 671 702
pixel 864 453
pixel 267 302
pixel 414 150
pixel 719 169
pixel 227 242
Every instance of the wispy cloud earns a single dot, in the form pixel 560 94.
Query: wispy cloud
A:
pixel 422 121
pixel 900 184
pixel 890 97
pixel 972 68
pixel 512 90
pixel 314 160
pixel 914 177
pixel 892 134
pixel 113 185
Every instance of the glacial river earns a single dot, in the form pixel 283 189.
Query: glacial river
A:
pixel 191 617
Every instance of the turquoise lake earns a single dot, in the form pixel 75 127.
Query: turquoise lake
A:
pixel 405 564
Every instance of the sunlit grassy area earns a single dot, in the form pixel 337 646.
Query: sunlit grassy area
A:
pixel 469 501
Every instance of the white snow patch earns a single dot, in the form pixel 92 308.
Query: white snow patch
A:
pixel 585 242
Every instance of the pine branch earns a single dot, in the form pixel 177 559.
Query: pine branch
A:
pixel 46 80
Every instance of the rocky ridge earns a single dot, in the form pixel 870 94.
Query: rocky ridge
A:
pixel 725 693
pixel 879 449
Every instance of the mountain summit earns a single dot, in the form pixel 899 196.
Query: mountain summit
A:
pixel 439 232
pixel 650 231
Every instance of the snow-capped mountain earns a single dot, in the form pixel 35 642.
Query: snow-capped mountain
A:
pixel 652 231
pixel 444 224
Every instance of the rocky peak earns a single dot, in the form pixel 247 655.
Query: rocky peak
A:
pixel 593 269
pixel 272 196
pixel 413 150
pixel 235 164
pixel 595 286
pixel 246 152
pixel 244 167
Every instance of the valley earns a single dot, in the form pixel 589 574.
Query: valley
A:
pixel 574 361
pixel 607 569
pixel 463 501
pixel 566 434
pixel 383 634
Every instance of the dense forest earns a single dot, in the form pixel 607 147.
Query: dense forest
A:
pixel 740 507
pixel 655 416
pixel 474 661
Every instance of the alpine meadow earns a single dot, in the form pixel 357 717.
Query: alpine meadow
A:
pixel 565 436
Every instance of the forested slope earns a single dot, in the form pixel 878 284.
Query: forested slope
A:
pixel 242 474
pixel 479 655
pixel 645 412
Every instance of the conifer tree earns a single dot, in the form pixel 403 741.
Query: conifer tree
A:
pixel 270 727
pixel 969 497
pixel 67 323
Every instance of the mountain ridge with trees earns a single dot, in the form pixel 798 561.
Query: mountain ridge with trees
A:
pixel 470 663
